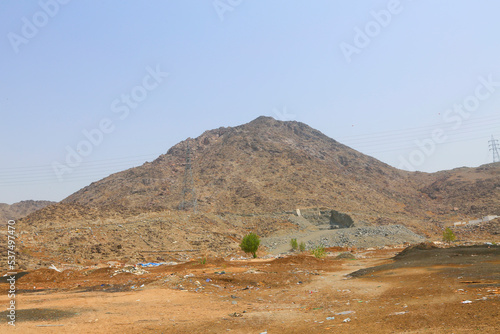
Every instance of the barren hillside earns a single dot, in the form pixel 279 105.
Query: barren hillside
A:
pixel 253 177
pixel 263 166
pixel 474 192
pixel 20 209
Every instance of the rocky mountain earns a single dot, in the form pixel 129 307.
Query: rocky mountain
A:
pixel 474 192
pixel 252 177
pixel 20 209
pixel 269 166
pixel 263 166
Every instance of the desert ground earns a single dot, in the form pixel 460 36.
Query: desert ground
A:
pixel 424 289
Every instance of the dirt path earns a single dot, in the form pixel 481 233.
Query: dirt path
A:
pixel 291 295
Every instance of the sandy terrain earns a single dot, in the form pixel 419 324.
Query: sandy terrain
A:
pixel 420 291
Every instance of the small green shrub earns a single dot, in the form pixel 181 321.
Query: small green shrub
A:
pixel 302 246
pixel 203 260
pixel 294 244
pixel 250 244
pixel 319 252
pixel 448 235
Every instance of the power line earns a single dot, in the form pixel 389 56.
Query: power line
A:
pixel 83 163
pixel 396 140
pixel 397 136
pixel 361 141
pixel 412 146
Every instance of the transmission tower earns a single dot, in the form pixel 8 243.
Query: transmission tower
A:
pixel 188 193
pixel 494 147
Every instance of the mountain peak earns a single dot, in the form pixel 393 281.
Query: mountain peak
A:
pixel 266 119
pixel 261 166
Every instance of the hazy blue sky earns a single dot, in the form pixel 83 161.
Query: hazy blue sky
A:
pixel 380 76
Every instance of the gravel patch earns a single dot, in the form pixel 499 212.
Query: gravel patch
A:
pixel 360 237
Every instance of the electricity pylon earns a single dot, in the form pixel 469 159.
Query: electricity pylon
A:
pixel 188 193
pixel 494 147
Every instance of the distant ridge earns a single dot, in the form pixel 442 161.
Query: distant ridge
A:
pixel 20 209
